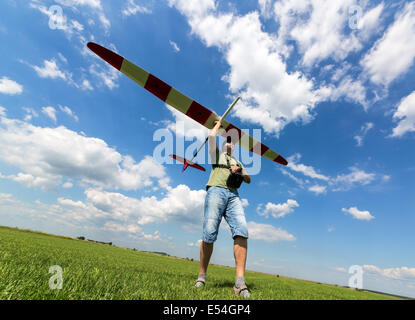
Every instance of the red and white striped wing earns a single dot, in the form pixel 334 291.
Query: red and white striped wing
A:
pixel 182 103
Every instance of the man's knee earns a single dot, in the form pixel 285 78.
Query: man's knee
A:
pixel 240 240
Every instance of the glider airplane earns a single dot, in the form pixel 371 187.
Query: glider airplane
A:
pixel 187 106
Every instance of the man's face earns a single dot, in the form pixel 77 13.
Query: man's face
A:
pixel 228 147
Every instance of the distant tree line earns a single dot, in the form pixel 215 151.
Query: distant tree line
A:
pixel 96 241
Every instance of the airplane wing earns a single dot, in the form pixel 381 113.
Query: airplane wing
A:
pixel 182 103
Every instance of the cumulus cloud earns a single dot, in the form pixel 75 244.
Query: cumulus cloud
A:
pixel 317 189
pixel 180 204
pixel 278 210
pixel 10 87
pixel 268 233
pixel 317 26
pixel 398 273
pixel 356 176
pixel 357 214
pixel 50 70
pixel 394 53
pixel 268 100
pixel 51 154
pixel 405 114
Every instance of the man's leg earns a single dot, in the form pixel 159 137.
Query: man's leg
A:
pixel 235 217
pixel 215 203
pixel 240 246
pixel 205 254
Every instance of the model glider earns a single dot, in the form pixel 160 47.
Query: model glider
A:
pixel 184 104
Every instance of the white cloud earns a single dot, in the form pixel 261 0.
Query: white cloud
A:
pixel 357 176
pixel 62 57
pixel 277 210
pixel 268 233
pixel 116 227
pixel 10 87
pixel 400 273
pixel 107 75
pixel 268 100
pixel 7 199
pixel 50 70
pixel 194 244
pixel 133 8
pixel 52 154
pixel 357 214
pixel 245 202
pixel 370 23
pixel 317 189
pixel 67 185
pixel 363 131
pixel 58 19
pixel 317 27
pixel 265 7
pixel 299 181
pixel 180 204
pixel 50 112
pixel 94 5
pixel 351 89
pixel 306 170
pixel 405 113
pixel 86 85
pixel 69 112
pixel 394 53
pixel 174 46
pixel 342 182
pixel 30 113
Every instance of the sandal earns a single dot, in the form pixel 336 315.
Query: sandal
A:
pixel 242 291
pixel 199 283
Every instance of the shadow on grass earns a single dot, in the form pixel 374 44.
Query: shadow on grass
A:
pixel 230 284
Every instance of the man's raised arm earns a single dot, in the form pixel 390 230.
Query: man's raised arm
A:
pixel 213 148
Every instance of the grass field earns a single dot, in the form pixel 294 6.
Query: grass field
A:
pixel 97 271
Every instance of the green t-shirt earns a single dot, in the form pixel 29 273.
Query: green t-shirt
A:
pixel 218 176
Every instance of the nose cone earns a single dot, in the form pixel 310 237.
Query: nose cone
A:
pixel 109 56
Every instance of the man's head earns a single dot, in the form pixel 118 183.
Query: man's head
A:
pixel 228 146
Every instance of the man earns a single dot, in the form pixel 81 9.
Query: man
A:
pixel 223 200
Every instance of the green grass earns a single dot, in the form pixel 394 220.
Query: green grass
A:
pixel 97 271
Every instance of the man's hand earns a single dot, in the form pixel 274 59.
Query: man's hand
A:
pixel 215 129
pixel 247 178
pixel 236 169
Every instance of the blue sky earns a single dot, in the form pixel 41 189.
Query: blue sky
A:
pixel 330 85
